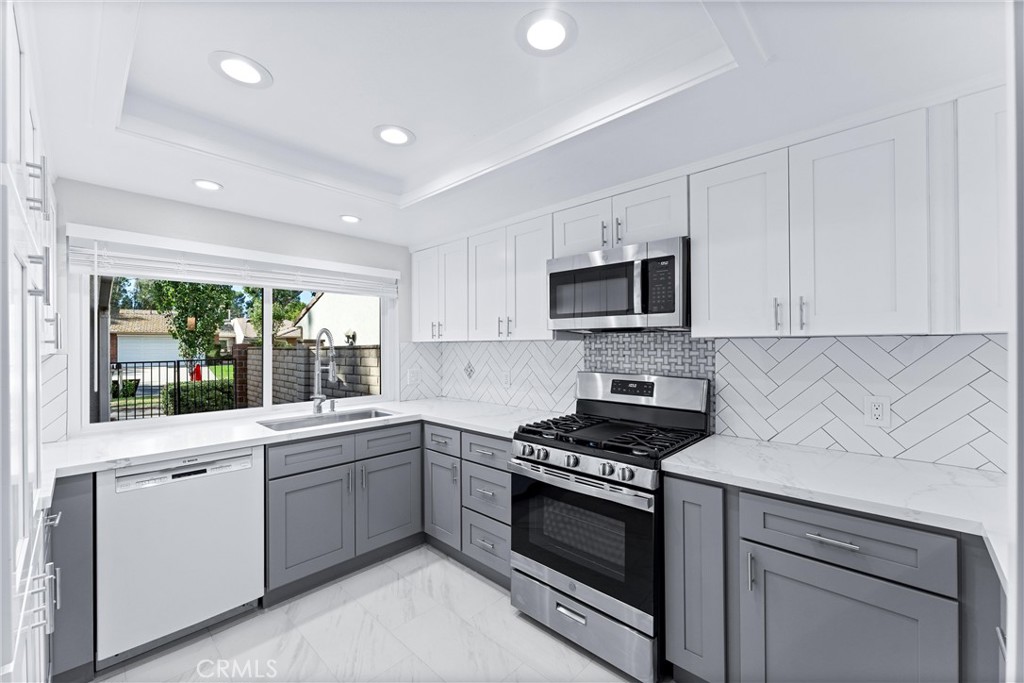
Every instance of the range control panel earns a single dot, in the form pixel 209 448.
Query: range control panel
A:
pixel 632 388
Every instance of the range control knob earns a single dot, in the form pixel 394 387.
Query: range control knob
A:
pixel 527 450
pixel 572 460
pixel 626 473
pixel 542 453
pixel 607 469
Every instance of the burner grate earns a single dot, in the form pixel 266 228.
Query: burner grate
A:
pixel 650 441
pixel 558 427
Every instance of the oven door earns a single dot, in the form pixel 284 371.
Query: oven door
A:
pixel 597 290
pixel 590 539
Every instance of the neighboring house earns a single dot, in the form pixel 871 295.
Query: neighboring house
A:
pixel 339 313
pixel 141 335
pixel 235 331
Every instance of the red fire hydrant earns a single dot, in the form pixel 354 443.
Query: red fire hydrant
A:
pixel 197 373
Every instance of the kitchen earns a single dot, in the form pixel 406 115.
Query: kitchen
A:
pixel 578 342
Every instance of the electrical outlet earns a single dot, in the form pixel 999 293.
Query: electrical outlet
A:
pixel 412 377
pixel 506 378
pixel 876 411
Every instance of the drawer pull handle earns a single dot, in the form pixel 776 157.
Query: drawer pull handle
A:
pixel 489 546
pixel 485 492
pixel 832 542
pixel 482 451
pixel 438 439
pixel 575 616
pixel 1001 640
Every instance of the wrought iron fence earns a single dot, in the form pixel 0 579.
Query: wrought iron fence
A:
pixel 141 389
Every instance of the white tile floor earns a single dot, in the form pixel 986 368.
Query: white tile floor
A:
pixel 419 616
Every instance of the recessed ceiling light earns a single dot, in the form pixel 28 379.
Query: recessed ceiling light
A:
pixel 394 135
pixel 546 32
pixel 208 185
pixel 240 69
pixel 350 219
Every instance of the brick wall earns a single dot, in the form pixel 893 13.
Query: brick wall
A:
pixel 358 374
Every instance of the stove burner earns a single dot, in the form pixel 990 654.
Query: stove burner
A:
pixel 613 436
pixel 651 441
pixel 557 427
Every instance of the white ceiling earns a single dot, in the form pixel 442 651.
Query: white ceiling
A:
pixel 128 99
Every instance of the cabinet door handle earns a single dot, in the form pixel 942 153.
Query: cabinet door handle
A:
pixel 508 327
pixel 604 229
pixel 775 312
pixel 499 325
pixel 439 335
pixel 571 614
pixel 750 571
pixel 485 492
pixel 803 323
pixel 433 330
pixel 832 542
pixel 618 230
pixel 36 203
pixel 455 472
pixel 362 475
pixel 44 261
pixel 56 586
pixel 348 481
pixel 1001 641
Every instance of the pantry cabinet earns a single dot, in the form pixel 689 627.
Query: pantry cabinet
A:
pixel 739 248
pixel 859 230
pixel 439 283
pixel 508 282
pixel 648 213
pixel 985 252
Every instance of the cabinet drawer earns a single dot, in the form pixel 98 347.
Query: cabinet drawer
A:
pixel 908 556
pixel 487 491
pixel 303 456
pixel 486 450
pixel 441 439
pixel 389 440
pixel 486 541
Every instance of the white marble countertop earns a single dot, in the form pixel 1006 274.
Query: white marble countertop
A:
pixel 142 443
pixel 953 498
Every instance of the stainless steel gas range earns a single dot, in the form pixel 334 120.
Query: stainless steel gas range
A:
pixel 586 514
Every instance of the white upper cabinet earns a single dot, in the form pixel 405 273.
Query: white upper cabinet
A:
pixel 528 248
pixel 439 293
pixel 984 244
pixel 739 248
pixel 859 230
pixel 487 277
pixel 650 213
pixel 583 228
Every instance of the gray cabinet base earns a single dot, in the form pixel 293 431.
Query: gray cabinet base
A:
pixel 317 579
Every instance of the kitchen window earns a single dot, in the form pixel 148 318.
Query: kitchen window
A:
pixel 205 334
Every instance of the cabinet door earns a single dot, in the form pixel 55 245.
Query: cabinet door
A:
pixel 739 248
pixel 425 295
pixel 985 250
pixel 487 285
pixel 441 504
pixel 859 230
pixel 388 501
pixel 311 523
pixel 528 248
pixel 583 228
pixel 452 282
pixel 695 578
pixel 650 213
pixel 802 620
pixel 71 547
pixel 12 72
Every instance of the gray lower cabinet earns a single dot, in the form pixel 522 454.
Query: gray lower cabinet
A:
pixel 388 499
pixel 71 548
pixel 442 506
pixel 803 620
pixel 487 541
pixel 310 524
pixel 488 491
pixel 695 578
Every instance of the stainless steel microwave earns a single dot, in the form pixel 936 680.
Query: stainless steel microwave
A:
pixel 637 286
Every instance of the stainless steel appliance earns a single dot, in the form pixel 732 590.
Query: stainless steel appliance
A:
pixel 179 545
pixel 586 515
pixel 637 286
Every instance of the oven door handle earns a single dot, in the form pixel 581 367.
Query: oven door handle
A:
pixel 633 499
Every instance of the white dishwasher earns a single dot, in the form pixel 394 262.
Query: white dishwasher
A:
pixel 179 543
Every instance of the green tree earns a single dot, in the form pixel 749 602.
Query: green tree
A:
pixel 207 304
pixel 287 306
pixel 122 294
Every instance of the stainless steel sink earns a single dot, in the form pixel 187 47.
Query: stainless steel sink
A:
pixel 286 423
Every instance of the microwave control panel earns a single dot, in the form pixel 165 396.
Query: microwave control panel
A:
pixel 661 284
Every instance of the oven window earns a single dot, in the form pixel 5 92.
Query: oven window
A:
pixel 592 292
pixel 602 544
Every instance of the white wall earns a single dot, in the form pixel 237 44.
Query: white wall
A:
pixel 79 202
pixel 341 312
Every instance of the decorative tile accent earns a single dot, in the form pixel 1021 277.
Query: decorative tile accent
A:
pixel 948 395
pixel 54 398
pixel 469 370
pixel 424 360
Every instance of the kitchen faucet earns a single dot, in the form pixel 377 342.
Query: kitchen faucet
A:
pixel 332 372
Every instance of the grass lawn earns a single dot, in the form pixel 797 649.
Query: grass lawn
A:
pixel 223 371
pixel 135 402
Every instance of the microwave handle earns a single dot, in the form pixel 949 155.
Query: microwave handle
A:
pixel 639 307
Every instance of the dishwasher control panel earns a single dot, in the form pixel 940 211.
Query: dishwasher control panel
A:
pixel 159 477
